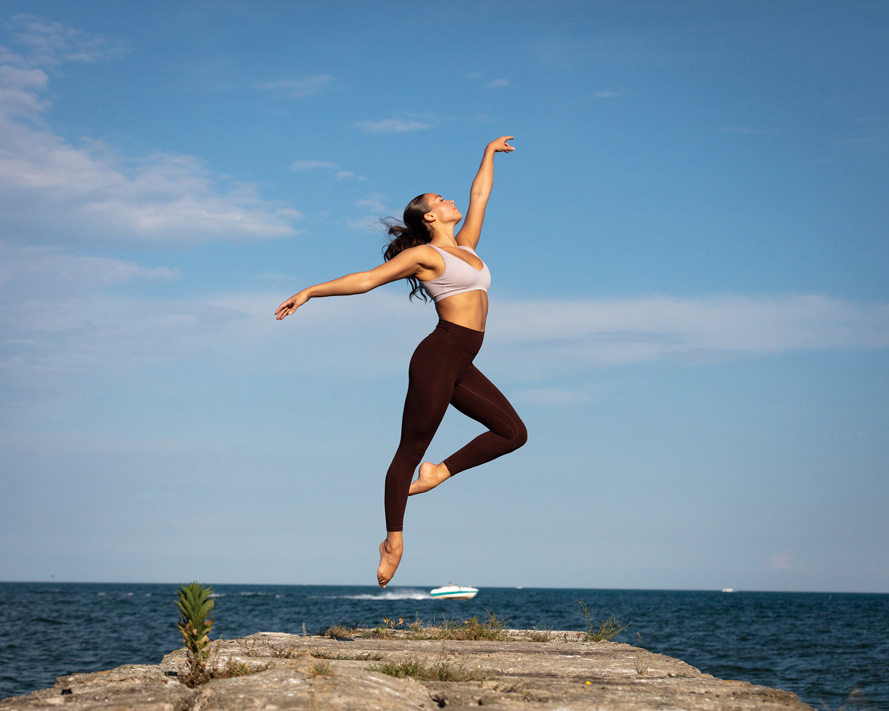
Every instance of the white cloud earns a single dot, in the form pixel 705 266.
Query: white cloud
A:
pixel 372 335
pixel 498 83
pixel 289 213
pixel 554 336
pixel 376 205
pixel 33 272
pixel 374 202
pixel 393 125
pixel 325 165
pixel 19 92
pixel 298 88
pixel 51 43
pixel 781 562
pixel 363 224
pixel 313 165
pixel 51 188
pixel 7 56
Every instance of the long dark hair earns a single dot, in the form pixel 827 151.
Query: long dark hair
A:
pixel 410 232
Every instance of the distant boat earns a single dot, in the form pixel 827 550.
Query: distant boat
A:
pixel 454 592
pixel 728 590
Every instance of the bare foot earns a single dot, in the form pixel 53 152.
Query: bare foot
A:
pixel 390 556
pixel 431 475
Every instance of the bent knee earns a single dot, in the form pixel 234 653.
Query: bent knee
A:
pixel 519 435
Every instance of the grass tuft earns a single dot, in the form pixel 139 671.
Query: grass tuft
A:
pixel 364 657
pixel 493 629
pixel 599 630
pixel 440 671
pixel 538 635
pixel 339 631
pixel 320 668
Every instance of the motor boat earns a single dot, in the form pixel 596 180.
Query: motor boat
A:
pixel 454 592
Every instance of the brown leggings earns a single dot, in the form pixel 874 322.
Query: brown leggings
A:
pixel 441 373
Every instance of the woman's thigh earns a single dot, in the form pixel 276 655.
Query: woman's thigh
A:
pixel 477 397
pixel 434 371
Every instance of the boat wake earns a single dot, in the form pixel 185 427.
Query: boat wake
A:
pixel 388 595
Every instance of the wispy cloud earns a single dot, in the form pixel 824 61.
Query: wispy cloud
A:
pixel 298 88
pixel 20 91
pixel 785 563
pixel 49 43
pixel 550 336
pixel 376 206
pixel 31 272
pixel 312 165
pixel 374 202
pixel 393 125
pixel 781 561
pixel 498 84
pixel 532 342
pixel 89 191
pixel 325 165
pixel 609 94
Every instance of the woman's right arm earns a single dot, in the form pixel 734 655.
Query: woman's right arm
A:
pixel 408 263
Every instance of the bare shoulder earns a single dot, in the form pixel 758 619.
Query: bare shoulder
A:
pixel 424 255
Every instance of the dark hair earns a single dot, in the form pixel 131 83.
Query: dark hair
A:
pixel 412 231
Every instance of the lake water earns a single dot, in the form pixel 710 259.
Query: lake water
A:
pixel 823 647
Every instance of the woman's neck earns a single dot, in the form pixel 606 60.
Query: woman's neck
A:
pixel 443 235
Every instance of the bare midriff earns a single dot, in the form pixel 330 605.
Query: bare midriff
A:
pixel 469 309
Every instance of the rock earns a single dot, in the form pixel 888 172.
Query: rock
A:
pixel 292 672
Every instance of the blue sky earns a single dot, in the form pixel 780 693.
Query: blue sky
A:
pixel 689 305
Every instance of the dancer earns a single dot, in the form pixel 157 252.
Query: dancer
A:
pixel 425 251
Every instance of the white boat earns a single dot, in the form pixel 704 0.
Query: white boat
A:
pixel 454 592
pixel 728 590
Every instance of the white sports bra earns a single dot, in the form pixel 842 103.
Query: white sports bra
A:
pixel 458 277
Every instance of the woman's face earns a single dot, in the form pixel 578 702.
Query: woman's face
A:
pixel 443 210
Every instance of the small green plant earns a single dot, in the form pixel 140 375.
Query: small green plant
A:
pixel 265 647
pixel 599 630
pixel 538 635
pixel 230 669
pixel 388 627
pixel 362 657
pixel 492 629
pixel 339 631
pixel 195 602
pixel 392 624
pixel 640 662
pixel 320 668
pixel 440 671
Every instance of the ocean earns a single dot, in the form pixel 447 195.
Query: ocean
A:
pixel 830 649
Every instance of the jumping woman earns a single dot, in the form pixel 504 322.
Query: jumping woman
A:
pixel 425 251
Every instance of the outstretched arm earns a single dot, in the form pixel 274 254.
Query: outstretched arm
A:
pixel 480 192
pixel 408 263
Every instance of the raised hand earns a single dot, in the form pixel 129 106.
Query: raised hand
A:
pixel 501 145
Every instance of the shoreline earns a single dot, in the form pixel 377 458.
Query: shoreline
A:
pixel 530 669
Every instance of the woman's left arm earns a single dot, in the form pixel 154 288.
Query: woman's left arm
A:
pixel 479 193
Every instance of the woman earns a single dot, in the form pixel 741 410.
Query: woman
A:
pixel 425 251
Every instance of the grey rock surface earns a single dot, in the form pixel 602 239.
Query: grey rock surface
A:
pixel 293 672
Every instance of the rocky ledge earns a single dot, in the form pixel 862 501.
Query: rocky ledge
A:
pixel 529 671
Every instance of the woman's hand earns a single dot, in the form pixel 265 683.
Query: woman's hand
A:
pixel 291 305
pixel 501 145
